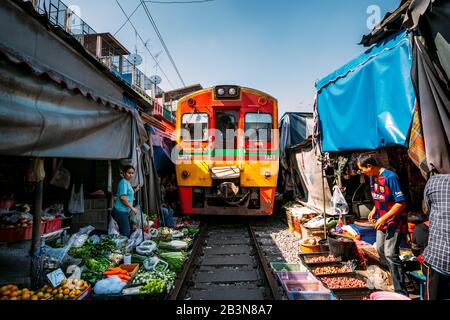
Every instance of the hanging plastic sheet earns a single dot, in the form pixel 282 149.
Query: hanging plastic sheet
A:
pixel 369 103
pixel 295 127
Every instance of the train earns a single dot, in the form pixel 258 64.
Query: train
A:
pixel 227 152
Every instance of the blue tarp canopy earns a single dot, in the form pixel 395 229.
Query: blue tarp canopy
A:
pixel 294 129
pixel 369 102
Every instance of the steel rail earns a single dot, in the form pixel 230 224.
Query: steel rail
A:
pixel 188 269
pixel 273 286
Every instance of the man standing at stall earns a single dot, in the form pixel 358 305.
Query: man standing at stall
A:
pixel 390 215
pixel 437 254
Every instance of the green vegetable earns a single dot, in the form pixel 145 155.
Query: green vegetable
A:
pixel 90 250
pixel 174 259
pixel 94 269
pixel 136 258
pixel 154 286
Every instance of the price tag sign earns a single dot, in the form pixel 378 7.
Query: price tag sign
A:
pixel 56 277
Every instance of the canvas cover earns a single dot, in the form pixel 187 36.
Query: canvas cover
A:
pixel 369 102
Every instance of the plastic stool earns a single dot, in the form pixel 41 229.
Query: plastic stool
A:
pixel 422 280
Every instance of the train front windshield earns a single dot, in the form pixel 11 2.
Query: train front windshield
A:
pixel 258 126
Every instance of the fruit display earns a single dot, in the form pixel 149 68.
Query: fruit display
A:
pixel 329 258
pixel 330 270
pixel 69 289
pixel 12 292
pixel 343 282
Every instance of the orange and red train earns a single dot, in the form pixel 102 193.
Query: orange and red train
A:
pixel 227 157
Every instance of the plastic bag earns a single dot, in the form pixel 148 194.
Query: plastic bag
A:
pixel 78 239
pixel 76 203
pixel 61 179
pixel 136 238
pixel 146 248
pixel 378 278
pixel 121 241
pixel 111 285
pixel 55 255
pixel 338 204
pixel 53 211
pixel 113 227
pixel 136 219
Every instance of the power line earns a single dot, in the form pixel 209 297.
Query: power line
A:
pixel 145 45
pixel 161 40
pixel 128 19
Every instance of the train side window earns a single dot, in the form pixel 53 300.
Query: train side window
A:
pixel 258 127
pixel 194 127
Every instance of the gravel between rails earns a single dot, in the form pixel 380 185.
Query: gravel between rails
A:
pixel 286 244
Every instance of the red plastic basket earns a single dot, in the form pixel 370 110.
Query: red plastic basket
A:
pixel 19 233
pixel 53 225
pixel 8 235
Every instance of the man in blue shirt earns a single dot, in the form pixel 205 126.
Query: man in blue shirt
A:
pixel 390 215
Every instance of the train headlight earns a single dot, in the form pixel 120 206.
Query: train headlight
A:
pixel 227 92
pixel 185 174
pixel 268 174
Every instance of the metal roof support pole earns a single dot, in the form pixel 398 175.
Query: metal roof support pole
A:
pixel 324 204
pixel 35 252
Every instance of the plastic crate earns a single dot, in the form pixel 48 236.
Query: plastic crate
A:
pixel 311 295
pixel 85 295
pixel 8 235
pixel 19 233
pixel 279 266
pixel 53 225
pixel 303 286
pixel 299 281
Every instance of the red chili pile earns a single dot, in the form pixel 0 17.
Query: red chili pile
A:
pixel 321 259
pixel 330 270
pixel 343 282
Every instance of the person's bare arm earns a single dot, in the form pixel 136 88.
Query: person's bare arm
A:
pixel 124 200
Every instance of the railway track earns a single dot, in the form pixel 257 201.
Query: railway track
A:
pixel 227 263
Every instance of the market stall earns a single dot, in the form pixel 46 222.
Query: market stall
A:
pixel 113 267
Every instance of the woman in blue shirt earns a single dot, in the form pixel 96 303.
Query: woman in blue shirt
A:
pixel 123 205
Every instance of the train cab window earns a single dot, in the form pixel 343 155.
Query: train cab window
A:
pixel 195 127
pixel 258 126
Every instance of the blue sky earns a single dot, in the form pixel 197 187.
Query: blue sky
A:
pixel 280 47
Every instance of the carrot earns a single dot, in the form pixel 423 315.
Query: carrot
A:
pixel 114 269
pixel 124 277
pixel 111 273
pixel 125 272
